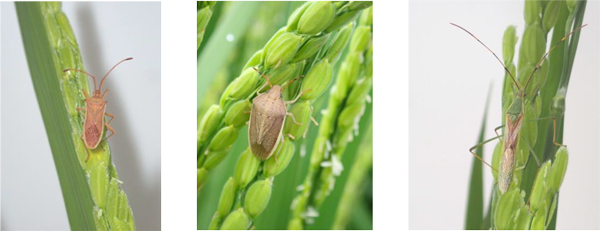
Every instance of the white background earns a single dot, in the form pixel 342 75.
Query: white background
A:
pixel 449 78
pixel 106 33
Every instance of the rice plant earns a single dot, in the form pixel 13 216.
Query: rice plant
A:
pixel 302 47
pixel 345 107
pixel 91 188
pixel 202 18
pixel 528 197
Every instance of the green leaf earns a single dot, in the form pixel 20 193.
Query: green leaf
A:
pixel 474 218
pixel 45 77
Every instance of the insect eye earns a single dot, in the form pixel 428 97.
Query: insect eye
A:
pixel 281 95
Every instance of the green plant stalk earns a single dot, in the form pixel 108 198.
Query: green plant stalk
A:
pixel 578 14
pixel 345 108
pixel 360 169
pixel 288 54
pixel 202 18
pixel 91 190
pixel 534 189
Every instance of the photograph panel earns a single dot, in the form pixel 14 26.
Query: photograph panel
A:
pixel 58 116
pixel 285 115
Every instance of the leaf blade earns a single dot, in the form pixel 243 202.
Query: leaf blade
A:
pixel 45 78
pixel 474 217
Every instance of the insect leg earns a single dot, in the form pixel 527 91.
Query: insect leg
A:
pixel 305 131
pixel 109 115
pixel 110 129
pixel 260 89
pixel 86 149
pixel 80 110
pixel 553 137
pixel 87 96
pixel 553 130
pixel 293 118
pixel 88 155
pixel 264 76
pixel 105 92
pixel 297 97
pixel 312 109
pixel 498 128
pixel 289 82
pixel 481 144
pixel 533 154
pixel 314 121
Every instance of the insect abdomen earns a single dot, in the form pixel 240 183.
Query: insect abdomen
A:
pixel 92 136
pixel 507 164
pixel 266 123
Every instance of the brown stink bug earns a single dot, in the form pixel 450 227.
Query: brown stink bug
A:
pixel 93 126
pixel 267 117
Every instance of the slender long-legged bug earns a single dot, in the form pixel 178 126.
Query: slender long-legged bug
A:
pixel 514 119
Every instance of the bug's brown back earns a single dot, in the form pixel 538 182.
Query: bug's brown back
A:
pixel 507 161
pixel 93 127
pixel 92 136
pixel 266 122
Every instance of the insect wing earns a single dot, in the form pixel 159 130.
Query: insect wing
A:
pixel 266 123
pixel 507 164
pixel 93 128
pixel 507 161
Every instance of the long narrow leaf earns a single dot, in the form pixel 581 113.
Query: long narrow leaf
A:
pixel 45 77
pixel 474 218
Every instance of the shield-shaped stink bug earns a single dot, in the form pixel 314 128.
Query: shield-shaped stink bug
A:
pixel 267 117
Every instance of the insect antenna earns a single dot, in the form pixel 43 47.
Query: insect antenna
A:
pixel 264 76
pixel 77 70
pixel 537 66
pixel 103 78
pixel 502 63
pixel 289 82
